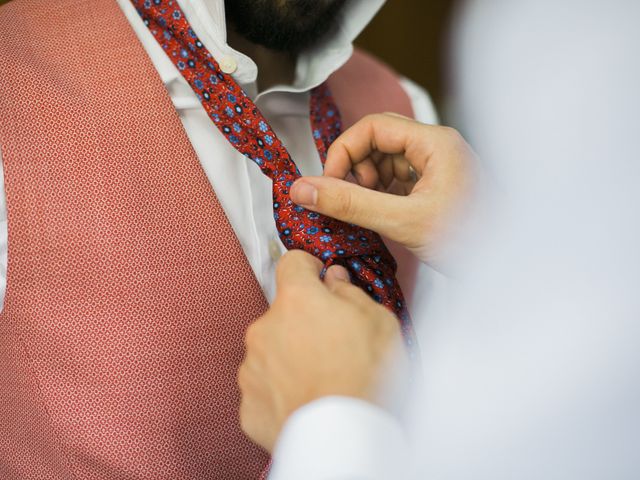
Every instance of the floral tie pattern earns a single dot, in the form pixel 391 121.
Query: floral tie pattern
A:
pixel 361 251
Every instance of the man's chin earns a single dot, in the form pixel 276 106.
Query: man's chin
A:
pixel 284 25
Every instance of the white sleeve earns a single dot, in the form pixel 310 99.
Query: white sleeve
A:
pixel 340 438
pixel 423 109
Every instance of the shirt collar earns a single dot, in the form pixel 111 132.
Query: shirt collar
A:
pixel 207 18
pixel 315 65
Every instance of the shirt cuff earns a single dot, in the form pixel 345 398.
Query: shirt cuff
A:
pixel 340 438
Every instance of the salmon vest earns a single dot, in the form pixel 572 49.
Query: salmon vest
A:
pixel 128 293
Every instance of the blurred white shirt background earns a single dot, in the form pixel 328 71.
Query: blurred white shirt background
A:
pixel 532 369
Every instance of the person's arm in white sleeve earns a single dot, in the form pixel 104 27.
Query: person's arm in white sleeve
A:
pixel 339 438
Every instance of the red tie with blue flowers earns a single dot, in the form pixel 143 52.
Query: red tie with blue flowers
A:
pixel 361 251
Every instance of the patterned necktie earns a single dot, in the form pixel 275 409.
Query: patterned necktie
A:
pixel 361 251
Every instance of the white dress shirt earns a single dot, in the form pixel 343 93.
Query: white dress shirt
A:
pixel 242 189
pixel 533 373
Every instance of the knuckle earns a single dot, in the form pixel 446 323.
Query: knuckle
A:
pixel 289 258
pixel 292 260
pixel 294 255
pixel 451 134
pixel 374 117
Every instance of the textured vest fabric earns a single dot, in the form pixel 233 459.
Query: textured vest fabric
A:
pixel 127 291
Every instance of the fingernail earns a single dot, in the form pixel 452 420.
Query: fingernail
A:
pixel 304 193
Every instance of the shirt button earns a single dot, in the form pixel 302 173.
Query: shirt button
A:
pixel 275 252
pixel 228 64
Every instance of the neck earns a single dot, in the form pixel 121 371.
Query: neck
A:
pixel 274 68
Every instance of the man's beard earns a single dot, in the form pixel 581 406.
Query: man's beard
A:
pixel 283 25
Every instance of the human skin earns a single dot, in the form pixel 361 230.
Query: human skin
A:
pixel 428 168
pixel 327 337
pixel 318 338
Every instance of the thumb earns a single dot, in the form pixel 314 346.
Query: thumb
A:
pixel 377 211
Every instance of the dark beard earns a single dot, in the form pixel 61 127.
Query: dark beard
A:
pixel 283 25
